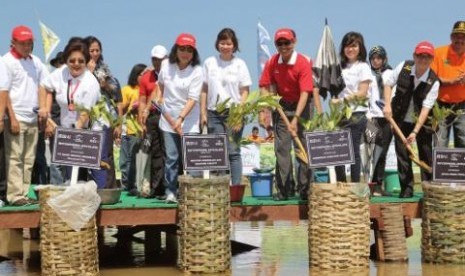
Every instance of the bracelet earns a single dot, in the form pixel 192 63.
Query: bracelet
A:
pixel 181 117
pixel 297 117
pixel 414 132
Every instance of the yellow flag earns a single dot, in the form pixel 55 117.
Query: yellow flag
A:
pixel 49 40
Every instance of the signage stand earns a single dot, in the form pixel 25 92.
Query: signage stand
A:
pixel 74 175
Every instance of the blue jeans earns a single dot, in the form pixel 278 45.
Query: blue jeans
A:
pixel 457 123
pixel 127 160
pixel 216 124
pixel 103 177
pixel 173 160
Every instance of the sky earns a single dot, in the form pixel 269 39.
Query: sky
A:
pixel 129 29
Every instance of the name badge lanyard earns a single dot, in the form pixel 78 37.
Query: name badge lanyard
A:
pixel 70 97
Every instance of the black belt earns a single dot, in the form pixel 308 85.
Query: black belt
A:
pixel 453 106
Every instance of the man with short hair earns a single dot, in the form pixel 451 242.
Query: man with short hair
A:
pixel 449 65
pixel 26 71
pixel 149 118
pixel 415 94
pixel 289 75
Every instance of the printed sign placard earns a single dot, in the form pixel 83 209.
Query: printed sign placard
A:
pixel 205 152
pixel 77 147
pixel 449 165
pixel 329 148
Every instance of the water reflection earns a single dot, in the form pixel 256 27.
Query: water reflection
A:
pixel 281 249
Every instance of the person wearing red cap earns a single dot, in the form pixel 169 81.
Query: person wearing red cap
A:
pixel 416 91
pixel 449 65
pixel 177 94
pixel 288 74
pixel 26 71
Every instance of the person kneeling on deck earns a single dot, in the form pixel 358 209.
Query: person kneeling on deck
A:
pixel 289 75
pixel 415 94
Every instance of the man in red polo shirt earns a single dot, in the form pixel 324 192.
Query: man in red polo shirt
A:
pixel 288 74
pixel 149 118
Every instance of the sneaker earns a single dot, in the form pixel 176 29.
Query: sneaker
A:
pixel 171 198
pixel 21 202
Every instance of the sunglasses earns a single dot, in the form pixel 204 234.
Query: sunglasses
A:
pixel 186 49
pixel 78 60
pixel 283 43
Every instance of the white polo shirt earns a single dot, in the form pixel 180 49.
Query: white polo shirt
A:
pixel 86 94
pixel 179 86
pixel 428 102
pixel 4 77
pixel 224 79
pixel 25 76
pixel 353 74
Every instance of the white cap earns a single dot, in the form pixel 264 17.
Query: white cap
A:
pixel 159 51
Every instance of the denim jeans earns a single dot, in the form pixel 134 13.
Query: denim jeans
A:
pixel 173 159
pixel 216 124
pixel 357 126
pixel 457 123
pixel 127 160
pixel 103 177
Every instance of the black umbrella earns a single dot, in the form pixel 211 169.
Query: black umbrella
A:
pixel 327 68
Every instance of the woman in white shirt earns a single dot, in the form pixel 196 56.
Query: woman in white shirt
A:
pixel 179 85
pixel 74 86
pixel 225 77
pixel 357 77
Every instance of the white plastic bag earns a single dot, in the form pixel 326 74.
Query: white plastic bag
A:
pixel 77 204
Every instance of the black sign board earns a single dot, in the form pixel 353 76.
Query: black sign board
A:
pixel 449 165
pixel 77 147
pixel 329 148
pixel 205 152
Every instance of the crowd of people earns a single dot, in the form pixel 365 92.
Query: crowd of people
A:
pixel 177 94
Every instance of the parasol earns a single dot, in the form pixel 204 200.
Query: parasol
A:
pixel 327 68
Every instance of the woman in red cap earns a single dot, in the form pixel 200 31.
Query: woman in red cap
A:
pixel 178 92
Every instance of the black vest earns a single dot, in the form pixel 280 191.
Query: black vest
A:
pixel 405 91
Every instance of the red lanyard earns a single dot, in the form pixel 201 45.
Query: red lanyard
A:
pixel 71 96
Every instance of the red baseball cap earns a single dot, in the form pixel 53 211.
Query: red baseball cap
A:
pixel 424 47
pixel 22 33
pixel 284 33
pixel 186 39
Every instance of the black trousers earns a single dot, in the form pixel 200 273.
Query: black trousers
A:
pixel 157 154
pixel 283 141
pixel 382 142
pixel 404 164
pixel 2 169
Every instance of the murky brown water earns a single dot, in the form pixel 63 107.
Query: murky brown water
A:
pixel 282 250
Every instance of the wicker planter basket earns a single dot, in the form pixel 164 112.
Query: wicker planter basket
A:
pixel 443 224
pixel 394 244
pixel 63 250
pixel 338 228
pixel 204 228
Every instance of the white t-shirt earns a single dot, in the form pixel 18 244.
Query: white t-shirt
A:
pixel 353 74
pixel 25 75
pixel 374 111
pixel 224 79
pixel 179 86
pixel 428 102
pixel 4 77
pixel 86 94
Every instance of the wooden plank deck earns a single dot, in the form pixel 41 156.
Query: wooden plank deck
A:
pixel 294 210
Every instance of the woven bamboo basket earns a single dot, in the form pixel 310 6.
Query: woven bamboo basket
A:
pixel 65 251
pixel 393 235
pixel 338 228
pixel 443 224
pixel 204 228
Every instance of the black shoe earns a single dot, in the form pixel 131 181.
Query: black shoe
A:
pixel 160 197
pixel 133 192
pixel 279 197
pixel 407 193
pixel 32 201
pixel 21 202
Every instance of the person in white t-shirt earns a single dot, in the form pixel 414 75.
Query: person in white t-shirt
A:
pixel 225 77
pixel 73 86
pixel 26 71
pixel 178 93
pixel 357 77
